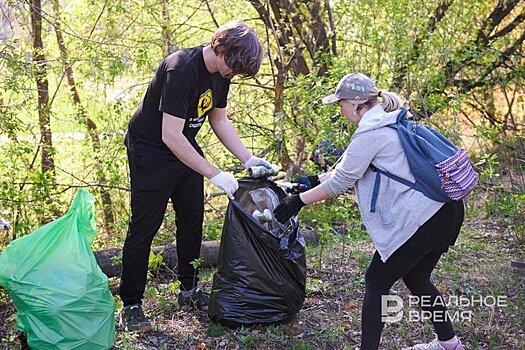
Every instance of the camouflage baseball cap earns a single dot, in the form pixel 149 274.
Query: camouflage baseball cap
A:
pixel 355 87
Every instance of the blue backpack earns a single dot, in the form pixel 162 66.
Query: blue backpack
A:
pixel 442 171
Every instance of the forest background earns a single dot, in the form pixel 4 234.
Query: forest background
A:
pixel 73 72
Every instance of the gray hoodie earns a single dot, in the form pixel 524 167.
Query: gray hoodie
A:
pixel 400 210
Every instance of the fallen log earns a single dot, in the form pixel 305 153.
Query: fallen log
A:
pixel 110 260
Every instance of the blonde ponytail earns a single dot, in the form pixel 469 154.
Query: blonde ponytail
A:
pixel 391 101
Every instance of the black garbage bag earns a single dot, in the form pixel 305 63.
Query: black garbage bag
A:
pixel 261 273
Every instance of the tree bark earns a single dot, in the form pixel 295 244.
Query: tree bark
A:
pixel 166 31
pixel 91 126
pixel 297 27
pixel 483 64
pixel 402 64
pixel 333 36
pixel 42 84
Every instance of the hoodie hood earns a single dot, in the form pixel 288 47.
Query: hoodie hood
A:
pixel 376 118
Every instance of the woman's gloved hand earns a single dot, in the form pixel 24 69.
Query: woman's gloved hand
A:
pixel 309 181
pixel 289 207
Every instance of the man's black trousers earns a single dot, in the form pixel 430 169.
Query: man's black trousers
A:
pixel 153 183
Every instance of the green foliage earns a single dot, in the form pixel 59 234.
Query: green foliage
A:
pixel 275 333
pixel 155 261
pixel 127 339
pixel 448 67
pixel 245 337
pixel 335 219
pixel 357 233
pixel 501 166
pixel 509 210
pixel 212 230
pixel 341 211
pixel 332 332
pixel 166 297
pixel 301 344
pixel 489 167
pixel 314 285
pixel 196 263
pixel 150 292
pixel 215 330
pixel 116 260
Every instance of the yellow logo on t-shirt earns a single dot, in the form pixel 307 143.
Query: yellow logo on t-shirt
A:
pixel 205 103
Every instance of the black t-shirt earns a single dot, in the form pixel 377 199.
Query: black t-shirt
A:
pixel 182 87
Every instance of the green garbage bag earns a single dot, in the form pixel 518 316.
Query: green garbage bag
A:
pixel 61 296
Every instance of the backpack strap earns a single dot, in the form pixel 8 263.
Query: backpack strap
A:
pixel 375 192
pixel 394 177
pixel 377 183
pixel 401 114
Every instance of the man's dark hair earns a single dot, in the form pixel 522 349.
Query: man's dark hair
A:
pixel 240 47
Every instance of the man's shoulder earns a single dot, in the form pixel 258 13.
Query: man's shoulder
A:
pixel 184 59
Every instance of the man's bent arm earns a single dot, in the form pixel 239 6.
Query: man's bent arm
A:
pixel 223 128
pixel 173 137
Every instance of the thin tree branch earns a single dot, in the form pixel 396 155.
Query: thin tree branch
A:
pixel 211 14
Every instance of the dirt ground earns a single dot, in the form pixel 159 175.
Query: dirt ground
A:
pixel 476 269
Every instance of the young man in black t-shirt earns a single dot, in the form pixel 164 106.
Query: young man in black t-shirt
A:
pixel 166 163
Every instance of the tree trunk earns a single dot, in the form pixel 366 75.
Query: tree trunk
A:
pixel 166 33
pixel 297 27
pixel 110 260
pixel 403 62
pixel 40 72
pixel 109 219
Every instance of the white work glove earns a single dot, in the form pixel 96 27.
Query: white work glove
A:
pixel 255 161
pixel 226 182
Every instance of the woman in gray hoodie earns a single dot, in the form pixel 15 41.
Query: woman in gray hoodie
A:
pixel 410 231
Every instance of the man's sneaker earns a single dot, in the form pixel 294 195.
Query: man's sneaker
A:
pixel 196 299
pixel 435 345
pixel 133 319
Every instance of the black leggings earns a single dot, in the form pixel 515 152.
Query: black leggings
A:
pixel 414 261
